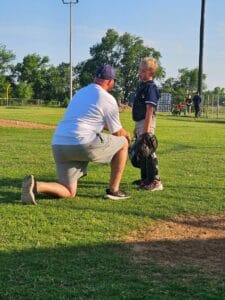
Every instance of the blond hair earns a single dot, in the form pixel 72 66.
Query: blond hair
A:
pixel 150 64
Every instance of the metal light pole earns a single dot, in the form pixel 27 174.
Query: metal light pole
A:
pixel 201 46
pixel 71 2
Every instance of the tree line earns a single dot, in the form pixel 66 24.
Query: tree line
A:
pixel 36 78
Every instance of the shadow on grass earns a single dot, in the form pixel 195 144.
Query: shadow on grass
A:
pixel 8 196
pixel 217 222
pixel 84 190
pixel 14 107
pixel 95 190
pixel 192 119
pixel 178 148
pixel 110 271
pixel 214 121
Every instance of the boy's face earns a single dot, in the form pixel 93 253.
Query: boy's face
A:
pixel 144 74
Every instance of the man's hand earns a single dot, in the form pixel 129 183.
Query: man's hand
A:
pixel 123 132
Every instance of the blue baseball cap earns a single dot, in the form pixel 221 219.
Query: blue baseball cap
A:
pixel 106 72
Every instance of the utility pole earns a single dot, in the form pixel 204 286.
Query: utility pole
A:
pixel 201 46
pixel 70 2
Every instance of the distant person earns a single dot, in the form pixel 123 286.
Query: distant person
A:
pixel 180 107
pixel 78 140
pixel 197 102
pixel 188 103
pixel 144 114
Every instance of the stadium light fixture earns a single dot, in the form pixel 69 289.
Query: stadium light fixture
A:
pixel 70 2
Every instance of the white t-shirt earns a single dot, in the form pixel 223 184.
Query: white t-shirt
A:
pixel 90 109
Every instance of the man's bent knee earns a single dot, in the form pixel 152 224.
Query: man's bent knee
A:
pixel 72 190
pixel 125 145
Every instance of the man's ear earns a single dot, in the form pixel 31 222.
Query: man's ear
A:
pixel 110 84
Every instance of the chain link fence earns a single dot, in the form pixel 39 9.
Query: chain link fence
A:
pixel 165 103
pixel 20 102
pixel 213 107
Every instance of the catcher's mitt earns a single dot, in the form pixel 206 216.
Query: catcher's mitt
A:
pixel 147 144
pixel 134 155
pixel 142 148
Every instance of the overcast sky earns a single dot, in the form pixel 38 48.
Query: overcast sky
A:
pixel 170 26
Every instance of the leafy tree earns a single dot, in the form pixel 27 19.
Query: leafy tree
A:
pixel 6 56
pixel 189 80
pixel 219 91
pixel 56 86
pixel 131 51
pixel 47 81
pixel 124 53
pixel 32 70
pixel 23 90
pixel 185 84
pixel 3 83
pixel 217 94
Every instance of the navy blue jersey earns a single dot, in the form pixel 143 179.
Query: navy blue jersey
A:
pixel 197 100
pixel 146 93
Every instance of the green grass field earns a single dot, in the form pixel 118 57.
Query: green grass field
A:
pixel 78 248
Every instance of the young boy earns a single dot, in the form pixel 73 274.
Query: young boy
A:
pixel 144 107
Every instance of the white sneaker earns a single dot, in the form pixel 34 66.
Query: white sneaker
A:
pixel 27 194
pixel 156 185
pixel 119 195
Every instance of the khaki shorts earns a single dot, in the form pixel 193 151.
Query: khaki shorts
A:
pixel 139 126
pixel 72 160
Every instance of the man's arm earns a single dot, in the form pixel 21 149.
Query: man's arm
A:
pixel 123 132
pixel 148 118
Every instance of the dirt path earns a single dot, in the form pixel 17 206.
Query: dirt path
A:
pixel 191 241
pixel 23 124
